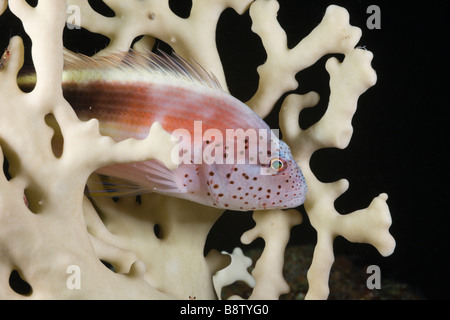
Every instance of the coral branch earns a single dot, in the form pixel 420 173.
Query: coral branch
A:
pixel 10 70
pixel 48 245
pixel 104 151
pixel 235 271
pixel 277 75
pixel 348 80
pixel 192 38
pixel 274 227
pixel 44 24
pixel 107 246
pixel 180 267
pixel 3 6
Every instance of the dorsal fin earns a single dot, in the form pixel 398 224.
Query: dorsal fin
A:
pixel 149 63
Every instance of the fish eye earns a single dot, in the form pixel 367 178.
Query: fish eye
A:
pixel 277 165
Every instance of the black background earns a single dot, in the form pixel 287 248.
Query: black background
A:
pixel 401 127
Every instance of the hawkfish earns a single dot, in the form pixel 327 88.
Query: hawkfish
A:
pixel 229 158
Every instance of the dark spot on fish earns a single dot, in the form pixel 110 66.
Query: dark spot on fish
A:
pixel 235 169
pixel 228 175
pixel 226 205
pixel 220 194
pixel 234 197
pixel 231 182
pixel 255 178
pixel 216 186
pixel 259 189
pixel 211 173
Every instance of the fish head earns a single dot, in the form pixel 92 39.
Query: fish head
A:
pixel 275 182
pixel 282 181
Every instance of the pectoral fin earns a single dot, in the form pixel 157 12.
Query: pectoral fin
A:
pixel 137 178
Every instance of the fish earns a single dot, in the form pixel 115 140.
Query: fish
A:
pixel 229 158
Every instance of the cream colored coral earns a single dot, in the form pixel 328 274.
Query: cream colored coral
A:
pixel 60 227
pixel 193 37
pixel 348 80
pixel 53 234
pixel 3 6
pixel 235 271
pixel 274 227
pixel 277 75
pixel 174 261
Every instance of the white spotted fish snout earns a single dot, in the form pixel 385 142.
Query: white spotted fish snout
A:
pixel 249 187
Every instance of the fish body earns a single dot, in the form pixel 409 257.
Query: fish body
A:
pixel 229 157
